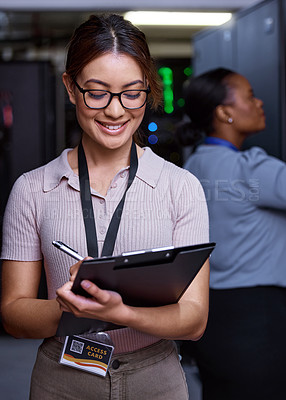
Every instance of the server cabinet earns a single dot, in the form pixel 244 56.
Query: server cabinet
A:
pixel 253 44
pixel 27 120
pixel 27 125
pixel 214 48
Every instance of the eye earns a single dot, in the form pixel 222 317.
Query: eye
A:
pixel 252 95
pixel 97 94
pixel 132 94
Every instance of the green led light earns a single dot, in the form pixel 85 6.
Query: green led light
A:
pixel 181 102
pixel 166 74
pixel 188 71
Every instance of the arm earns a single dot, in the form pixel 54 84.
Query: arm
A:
pixel 185 320
pixel 265 177
pixel 23 314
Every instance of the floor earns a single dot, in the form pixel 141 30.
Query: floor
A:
pixel 17 358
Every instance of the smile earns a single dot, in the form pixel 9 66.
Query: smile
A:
pixel 112 127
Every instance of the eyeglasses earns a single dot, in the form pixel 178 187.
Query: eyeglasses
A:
pixel 98 99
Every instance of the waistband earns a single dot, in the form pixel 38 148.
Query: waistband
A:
pixel 125 340
pixel 128 361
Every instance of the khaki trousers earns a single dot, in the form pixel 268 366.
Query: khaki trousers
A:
pixel 152 373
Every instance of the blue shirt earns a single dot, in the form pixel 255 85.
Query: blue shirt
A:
pixel 246 195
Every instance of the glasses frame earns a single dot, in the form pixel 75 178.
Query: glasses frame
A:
pixel 84 91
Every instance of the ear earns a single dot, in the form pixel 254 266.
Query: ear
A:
pixel 223 114
pixel 70 87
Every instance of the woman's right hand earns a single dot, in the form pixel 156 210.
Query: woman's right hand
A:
pixel 75 267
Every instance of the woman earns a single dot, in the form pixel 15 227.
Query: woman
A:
pixel 242 353
pixel 109 78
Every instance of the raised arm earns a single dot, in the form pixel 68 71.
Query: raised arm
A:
pixel 266 177
pixel 185 320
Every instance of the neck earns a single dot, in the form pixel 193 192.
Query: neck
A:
pixel 101 156
pixel 103 163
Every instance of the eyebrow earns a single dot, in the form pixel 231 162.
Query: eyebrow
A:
pixel 107 85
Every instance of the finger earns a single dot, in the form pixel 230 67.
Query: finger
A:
pixel 65 288
pixel 74 268
pixel 101 296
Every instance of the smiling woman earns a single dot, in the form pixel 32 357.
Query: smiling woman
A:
pixel 104 119
pixel 106 196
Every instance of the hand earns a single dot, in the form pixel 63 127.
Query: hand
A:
pixel 104 305
pixel 74 268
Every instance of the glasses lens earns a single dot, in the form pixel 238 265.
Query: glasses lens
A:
pixel 129 98
pixel 133 98
pixel 97 98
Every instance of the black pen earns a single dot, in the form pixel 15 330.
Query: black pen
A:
pixel 68 250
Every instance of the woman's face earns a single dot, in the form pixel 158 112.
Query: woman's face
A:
pixel 111 127
pixel 245 109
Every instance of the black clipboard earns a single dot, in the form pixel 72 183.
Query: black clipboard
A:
pixel 145 278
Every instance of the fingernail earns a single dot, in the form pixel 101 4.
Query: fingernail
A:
pixel 85 284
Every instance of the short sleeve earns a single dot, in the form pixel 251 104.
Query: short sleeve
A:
pixel 265 177
pixel 192 221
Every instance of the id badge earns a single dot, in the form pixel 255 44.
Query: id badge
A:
pixel 87 355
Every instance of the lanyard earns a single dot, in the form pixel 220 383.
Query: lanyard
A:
pixel 87 208
pixel 220 142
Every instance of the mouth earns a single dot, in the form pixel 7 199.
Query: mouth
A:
pixel 112 127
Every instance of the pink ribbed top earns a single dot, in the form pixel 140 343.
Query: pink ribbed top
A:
pixel 164 206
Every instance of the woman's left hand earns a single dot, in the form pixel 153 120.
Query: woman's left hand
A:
pixel 104 305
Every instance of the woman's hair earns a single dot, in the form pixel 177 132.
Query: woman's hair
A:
pixel 202 95
pixel 112 34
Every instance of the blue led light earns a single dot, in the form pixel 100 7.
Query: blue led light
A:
pixel 152 127
pixel 152 139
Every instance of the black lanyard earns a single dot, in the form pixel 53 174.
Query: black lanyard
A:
pixel 69 324
pixel 87 208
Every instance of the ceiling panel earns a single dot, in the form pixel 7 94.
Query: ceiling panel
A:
pixel 82 5
pixel 37 28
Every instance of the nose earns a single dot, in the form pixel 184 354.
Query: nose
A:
pixel 259 102
pixel 114 109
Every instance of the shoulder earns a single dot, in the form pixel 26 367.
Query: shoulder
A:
pixel 29 181
pixel 181 182
pixel 36 179
pixel 182 174
pixel 160 171
pixel 257 158
pixel 253 154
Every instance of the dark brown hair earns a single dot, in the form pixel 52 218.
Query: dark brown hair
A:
pixel 203 94
pixel 112 34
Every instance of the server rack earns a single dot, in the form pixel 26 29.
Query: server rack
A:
pixel 253 44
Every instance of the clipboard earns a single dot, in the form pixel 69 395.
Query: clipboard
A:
pixel 145 278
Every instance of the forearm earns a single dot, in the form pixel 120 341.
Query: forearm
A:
pixel 181 321
pixel 31 318
pixel 184 320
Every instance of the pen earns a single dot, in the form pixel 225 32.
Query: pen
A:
pixel 66 249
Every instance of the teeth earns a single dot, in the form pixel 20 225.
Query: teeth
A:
pixel 112 127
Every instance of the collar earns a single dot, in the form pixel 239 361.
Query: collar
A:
pixel 150 167
pixel 220 142
pixel 149 170
pixel 56 170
